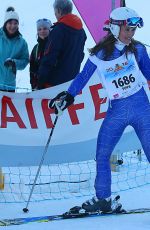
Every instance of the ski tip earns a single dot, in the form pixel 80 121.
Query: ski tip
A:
pixel 25 210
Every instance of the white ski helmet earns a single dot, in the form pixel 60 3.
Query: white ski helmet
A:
pixel 123 16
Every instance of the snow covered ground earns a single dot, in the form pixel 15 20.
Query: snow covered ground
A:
pixel 131 174
pixel 134 198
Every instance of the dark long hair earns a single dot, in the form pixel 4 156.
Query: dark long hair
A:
pixel 107 44
pixel 10 36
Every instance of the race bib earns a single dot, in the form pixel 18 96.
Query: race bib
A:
pixel 121 77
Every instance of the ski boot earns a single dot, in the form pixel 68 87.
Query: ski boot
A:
pixel 95 204
pixel 103 205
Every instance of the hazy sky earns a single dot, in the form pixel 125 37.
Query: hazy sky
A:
pixel 143 9
pixel 31 10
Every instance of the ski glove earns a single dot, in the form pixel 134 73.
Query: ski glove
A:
pixel 9 63
pixel 61 102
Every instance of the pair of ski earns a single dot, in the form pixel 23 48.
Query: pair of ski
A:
pixel 75 212
pixel 19 221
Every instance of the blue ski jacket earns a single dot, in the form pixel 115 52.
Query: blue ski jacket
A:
pixel 15 48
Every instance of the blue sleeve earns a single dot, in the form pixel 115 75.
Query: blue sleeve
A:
pixel 144 61
pixel 23 59
pixel 82 78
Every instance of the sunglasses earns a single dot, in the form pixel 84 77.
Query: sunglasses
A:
pixel 43 19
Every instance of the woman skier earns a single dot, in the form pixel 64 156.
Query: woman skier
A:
pixel 120 62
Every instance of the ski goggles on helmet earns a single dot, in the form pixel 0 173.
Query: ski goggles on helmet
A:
pixel 131 22
pixel 134 22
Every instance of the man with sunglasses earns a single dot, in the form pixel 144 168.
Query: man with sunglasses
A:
pixel 64 51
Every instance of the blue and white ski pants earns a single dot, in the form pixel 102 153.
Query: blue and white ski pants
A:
pixel 133 110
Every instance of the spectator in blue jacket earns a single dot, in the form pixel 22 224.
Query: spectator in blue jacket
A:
pixel 14 53
pixel 64 51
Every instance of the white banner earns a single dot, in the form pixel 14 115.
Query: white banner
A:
pixel 26 121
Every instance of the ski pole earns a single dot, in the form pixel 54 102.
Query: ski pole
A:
pixel 40 165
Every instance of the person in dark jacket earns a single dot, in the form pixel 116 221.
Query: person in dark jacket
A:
pixel 64 51
pixel 43 29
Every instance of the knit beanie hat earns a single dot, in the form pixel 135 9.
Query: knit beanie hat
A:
pixel 44 22
pixel 11 14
